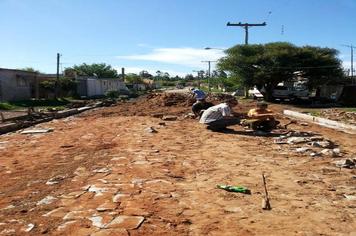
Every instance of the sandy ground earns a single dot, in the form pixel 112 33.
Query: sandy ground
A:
pixel 111 176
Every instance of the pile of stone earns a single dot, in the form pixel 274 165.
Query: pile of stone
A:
pixel 309 143
pixel 339 115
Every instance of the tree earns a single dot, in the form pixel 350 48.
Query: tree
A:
pixel 30 69
pixel 269 64
pixel 101 70
pixel 133 78
pixel 144 74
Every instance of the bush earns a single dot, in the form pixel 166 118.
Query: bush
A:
pixel 112 94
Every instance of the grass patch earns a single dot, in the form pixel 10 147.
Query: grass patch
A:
pixel 6 106
pixel 313 112
pixel 44 103
pixel 349 109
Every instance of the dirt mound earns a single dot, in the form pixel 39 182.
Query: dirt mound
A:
pixel 339 115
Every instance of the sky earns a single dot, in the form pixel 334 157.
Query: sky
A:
pixel 165 35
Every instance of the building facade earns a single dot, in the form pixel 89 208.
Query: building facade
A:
pixel 93 87
pixel 17 84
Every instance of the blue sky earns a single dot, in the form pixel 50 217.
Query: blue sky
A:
pixel 166 35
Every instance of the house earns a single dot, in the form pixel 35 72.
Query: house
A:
pixel 151 84
pixel 95 87
pixel 17 84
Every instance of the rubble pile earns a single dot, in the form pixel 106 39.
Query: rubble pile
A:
pixel 309 143
pixel 339 115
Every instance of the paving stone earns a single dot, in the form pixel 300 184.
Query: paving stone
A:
pixel 97 221
pixel 58 212
pixel 77 215
pixel 126 222
pixel 65 225
pixel 82 171
pixel 47 200
pixel 111 232
pixel 119 197
pixel 73 195
pixel 134 211
pixel 97 190
pixel 108 206
pixel 102 170
pixel 28 228
pixel 55 180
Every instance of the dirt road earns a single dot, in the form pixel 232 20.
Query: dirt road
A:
pixel 105 172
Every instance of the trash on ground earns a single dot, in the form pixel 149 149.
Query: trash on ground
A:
pixel 236 189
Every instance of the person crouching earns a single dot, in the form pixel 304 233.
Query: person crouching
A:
pixel 218 117
pixel 261 118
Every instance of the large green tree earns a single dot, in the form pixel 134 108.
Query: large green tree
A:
pixel 101 70
pixel 266 65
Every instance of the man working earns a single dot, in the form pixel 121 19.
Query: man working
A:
pixel 218 117
pixel 201 104
pixel 261 118
pixel 198 94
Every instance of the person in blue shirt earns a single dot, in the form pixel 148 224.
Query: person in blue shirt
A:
pixel 199 94
pixel 201 104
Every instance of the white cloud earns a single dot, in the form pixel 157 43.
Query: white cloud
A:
pixel 151 70
pixel 190 57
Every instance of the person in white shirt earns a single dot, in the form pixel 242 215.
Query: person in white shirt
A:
pixel 218 117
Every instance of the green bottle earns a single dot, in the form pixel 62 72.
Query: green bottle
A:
pixel 236 189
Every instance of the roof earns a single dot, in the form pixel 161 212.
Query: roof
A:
pixel 17 70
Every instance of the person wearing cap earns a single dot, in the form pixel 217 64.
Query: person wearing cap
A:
pixel 198 94
pixel 201 104
pixel 261 118
pixel 218 117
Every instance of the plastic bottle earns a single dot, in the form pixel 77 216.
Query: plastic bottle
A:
pixel 236 189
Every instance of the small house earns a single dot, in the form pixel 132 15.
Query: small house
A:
pixel 95 87
pixel 17 84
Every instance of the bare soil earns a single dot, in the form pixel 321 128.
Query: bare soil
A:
pixel 104 164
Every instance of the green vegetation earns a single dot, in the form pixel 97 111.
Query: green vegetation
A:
pixel 349 109
pixel 266 65
pixel 101 70
pixel 6 106
pixel 43 103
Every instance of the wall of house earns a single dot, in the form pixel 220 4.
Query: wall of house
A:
pixel 99 87
pixel 15 84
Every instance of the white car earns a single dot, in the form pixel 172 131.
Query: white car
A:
pixel 283 92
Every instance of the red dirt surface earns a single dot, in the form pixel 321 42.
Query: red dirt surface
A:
pixel 108 169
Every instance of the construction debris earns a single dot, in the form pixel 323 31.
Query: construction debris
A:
pixel 36 131
pixel 346 163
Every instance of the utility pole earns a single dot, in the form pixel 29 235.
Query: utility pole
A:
pixel 245 26
pixel 209 68
pixel 352 61
pixel 57 77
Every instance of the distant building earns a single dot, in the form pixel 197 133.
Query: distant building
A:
pixel 151 84
pixel 94 87
pixel 17 84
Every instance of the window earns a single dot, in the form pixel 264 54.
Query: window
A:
pixel 21 81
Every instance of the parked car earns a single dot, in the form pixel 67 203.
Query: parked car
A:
pixel 283 93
